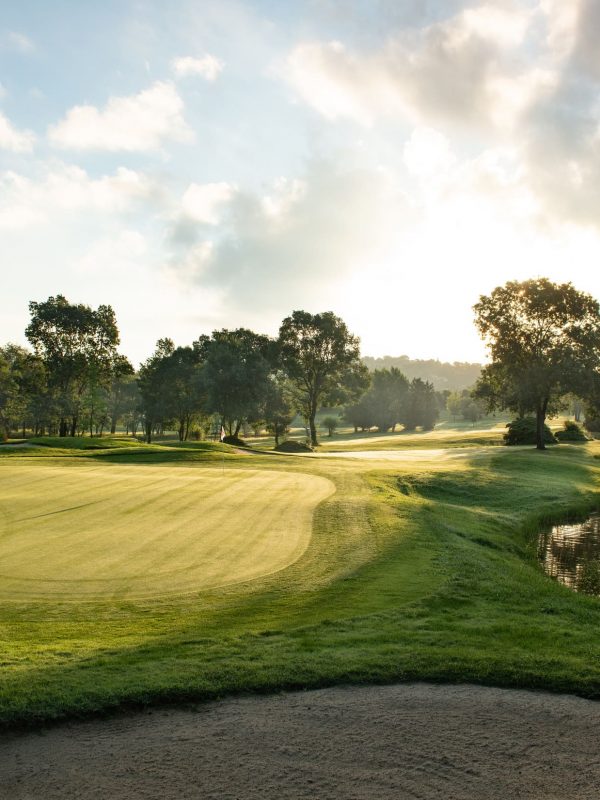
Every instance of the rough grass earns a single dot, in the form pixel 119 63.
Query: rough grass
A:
pixel 417 570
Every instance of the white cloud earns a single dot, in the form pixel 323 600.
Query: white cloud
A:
pixel 428 153
pixel 205 202
pixel 449 71
pixel 299 237
pixel 20 42
pixel 13 139
pixel 139 122
pixel 119 258
pixel 68 189
pixel 207 67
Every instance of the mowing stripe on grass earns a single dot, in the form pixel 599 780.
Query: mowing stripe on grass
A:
pixel 83 532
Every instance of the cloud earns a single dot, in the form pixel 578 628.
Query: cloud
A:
pixel 140 122
pixel 456 70
pixel 204 202
pixel 69 189
pixel 560 136
pixel 518 76
pixel 13 139
pixel 207 67
pixel 119 258
pixel 19 42
pixel 299 236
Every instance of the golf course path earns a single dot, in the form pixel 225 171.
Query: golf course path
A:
pixel 406 741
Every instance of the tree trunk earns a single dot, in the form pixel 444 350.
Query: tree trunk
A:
pixel 149 432
pixel 313 428
pixel 62 428
pixel 113 427
pixel 540 418
pixel 181 430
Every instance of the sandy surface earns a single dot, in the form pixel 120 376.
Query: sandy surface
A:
pixel 407 741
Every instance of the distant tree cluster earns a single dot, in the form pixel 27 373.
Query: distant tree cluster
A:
pixel 445 376
pixel 393 400
pixel 465 405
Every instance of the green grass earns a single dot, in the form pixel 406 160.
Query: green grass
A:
pixel 419 569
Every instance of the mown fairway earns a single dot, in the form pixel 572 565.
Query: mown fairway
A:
pixel 77 530
pixel 141 575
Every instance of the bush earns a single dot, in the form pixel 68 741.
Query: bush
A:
pixel 589 578
pixel 523 431
pixel 293 446
pixel 571 432
pixel 235 441
pixel 592 421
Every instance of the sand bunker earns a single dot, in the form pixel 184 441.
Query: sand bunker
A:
pixel 407 741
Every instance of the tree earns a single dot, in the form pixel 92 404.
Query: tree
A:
pixel 279 406
pixel 152 382
pixel 322 359
pixel 420 407
pixel 454 404
pixel 544 341
pixel 11 404
pixel 78 346
pixel 359 414
pixel 119 392
pixel 237 366
pixel 183 388
pixel 386 397
pixel 330 423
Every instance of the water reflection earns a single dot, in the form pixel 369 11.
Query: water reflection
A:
pixel 571 554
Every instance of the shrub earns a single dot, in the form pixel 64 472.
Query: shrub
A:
pixel 589 579
pixel 523 431
pixel 592 421
pixel 293 446
pixel 571 432
pixel 235 441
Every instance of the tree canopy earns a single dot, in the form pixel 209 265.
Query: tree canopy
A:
pixel 322 359
pixel 77 345
pixel 544 341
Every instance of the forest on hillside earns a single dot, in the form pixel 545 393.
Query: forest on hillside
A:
pixel 453 376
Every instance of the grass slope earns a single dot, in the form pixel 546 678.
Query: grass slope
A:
pixel 417 570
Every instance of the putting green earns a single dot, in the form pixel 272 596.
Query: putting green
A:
pixel 89 531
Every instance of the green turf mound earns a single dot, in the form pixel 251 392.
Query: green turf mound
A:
pixel 235 441
pixel 292 446
pixel 83 442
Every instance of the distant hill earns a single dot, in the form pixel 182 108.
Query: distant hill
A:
pixel 443 375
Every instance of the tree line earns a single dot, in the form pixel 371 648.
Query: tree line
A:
pixel 543 338
pixel 74 380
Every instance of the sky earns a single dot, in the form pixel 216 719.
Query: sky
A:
pixel 215 163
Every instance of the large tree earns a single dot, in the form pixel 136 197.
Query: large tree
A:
pixel 544 341
pixel 237 365
pixel 78 347
pixel 153 385
pixel 322 358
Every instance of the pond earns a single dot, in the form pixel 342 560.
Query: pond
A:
pixel 571 554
